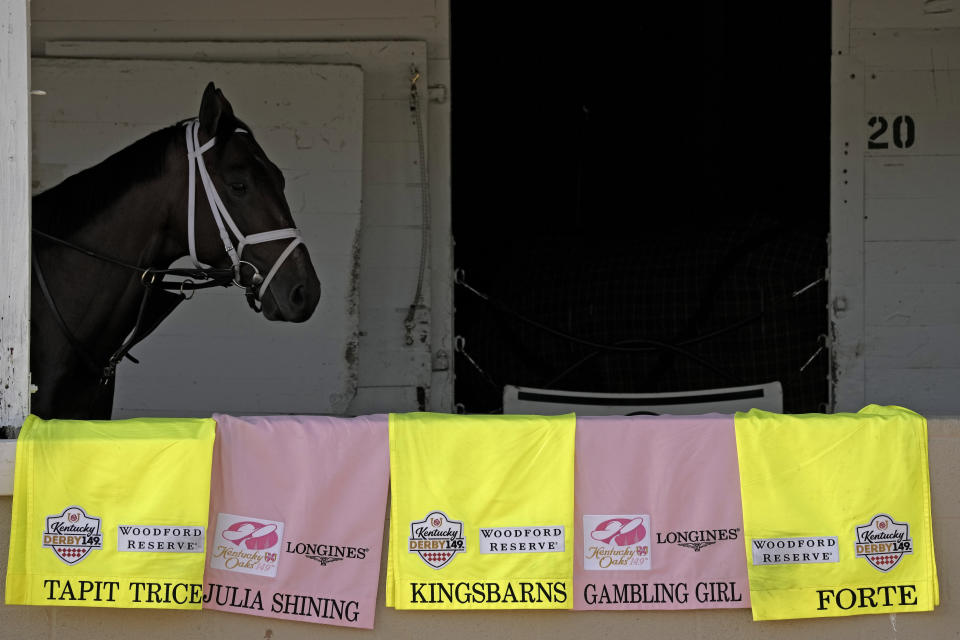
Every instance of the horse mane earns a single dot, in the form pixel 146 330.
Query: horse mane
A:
pixel 66 207
pixel 63 209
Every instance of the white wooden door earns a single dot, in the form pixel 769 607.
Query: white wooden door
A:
pixel 214 353
pixel 399 369
pixel 895 211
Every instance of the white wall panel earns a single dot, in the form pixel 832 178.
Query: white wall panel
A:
pixel 902 14
pixel 921 217
pixel 176 10
pixel 912 347
pixel 900 48
pixel 932 390
pixel 906 234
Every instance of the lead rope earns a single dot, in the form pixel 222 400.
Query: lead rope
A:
pixel 195 153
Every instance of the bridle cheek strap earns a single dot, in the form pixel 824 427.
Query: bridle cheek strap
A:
pixel 222 217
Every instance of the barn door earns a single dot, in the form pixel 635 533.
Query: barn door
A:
pixel 895 232
pixel 214 353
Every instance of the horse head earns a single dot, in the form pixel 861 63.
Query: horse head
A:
pixel 235 193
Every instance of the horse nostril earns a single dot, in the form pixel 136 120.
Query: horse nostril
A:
pixel 297 297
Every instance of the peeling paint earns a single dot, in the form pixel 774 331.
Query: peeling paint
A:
pixel 353 292
pixel 834 367
pixel 937 6
pixel 302 140
pixel 340 402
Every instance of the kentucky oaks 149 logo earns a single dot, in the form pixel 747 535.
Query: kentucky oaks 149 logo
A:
pixel 246 545
pixel 72 534
pixel 616 542
pixel 883 542
pixel 436 539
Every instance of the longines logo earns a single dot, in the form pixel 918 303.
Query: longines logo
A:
pixel 697 539
pixel 326 553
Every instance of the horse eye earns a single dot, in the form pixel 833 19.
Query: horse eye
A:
pixel 239 187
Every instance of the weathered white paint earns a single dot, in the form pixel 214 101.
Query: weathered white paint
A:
pixel 898 48
pixel 8 455
pixel 895 236
pixel 176 10
pixel 845 301
pixel 14 212
pixel 214 353
pixel 390 241
pixel 441 254
pixel 902 14
pixel 224 20
pixel 81 623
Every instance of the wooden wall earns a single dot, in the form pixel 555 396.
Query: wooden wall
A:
pixel 14 214
pixel 895 226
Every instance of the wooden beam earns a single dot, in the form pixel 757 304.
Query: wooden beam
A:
pixel 847 144
pixel 14 212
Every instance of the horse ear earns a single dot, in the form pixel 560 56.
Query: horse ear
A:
pixel 215 110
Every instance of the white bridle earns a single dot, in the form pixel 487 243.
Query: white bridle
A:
pixel 195 162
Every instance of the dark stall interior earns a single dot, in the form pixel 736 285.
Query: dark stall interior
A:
pixel 641 196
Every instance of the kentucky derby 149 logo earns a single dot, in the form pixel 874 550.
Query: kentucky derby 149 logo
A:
pixel 616 542
pixel 883 542
pixel 436 539
pixel 246 545
pixel 72 534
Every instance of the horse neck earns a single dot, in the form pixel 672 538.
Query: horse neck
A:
pixel 99 300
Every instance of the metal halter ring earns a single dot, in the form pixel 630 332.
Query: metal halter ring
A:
pixel 153 278
pixel 193 292
pixel 255 279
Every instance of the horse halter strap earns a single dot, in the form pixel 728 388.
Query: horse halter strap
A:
pixel 195 153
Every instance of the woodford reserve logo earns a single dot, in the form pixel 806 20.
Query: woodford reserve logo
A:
pixel 883 542
pixel 246 545
pixel 616 542
pixel 159 538
pixel 72 534
pixel 522 539
pixel 436 539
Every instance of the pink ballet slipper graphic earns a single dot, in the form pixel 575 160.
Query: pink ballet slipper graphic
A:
pixel 622 531
pixel 607 529
pixel 255 536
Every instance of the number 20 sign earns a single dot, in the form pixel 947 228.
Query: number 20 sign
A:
pixel 902 132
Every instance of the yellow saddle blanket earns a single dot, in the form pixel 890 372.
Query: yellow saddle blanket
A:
pixel 481 513
pixel 836 513
pixel 110 513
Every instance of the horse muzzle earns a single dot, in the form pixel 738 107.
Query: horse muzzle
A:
pixel 292 298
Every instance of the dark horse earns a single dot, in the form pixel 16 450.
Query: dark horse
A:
pixel 131 210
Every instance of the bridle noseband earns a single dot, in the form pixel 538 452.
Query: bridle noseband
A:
pixel 258 284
